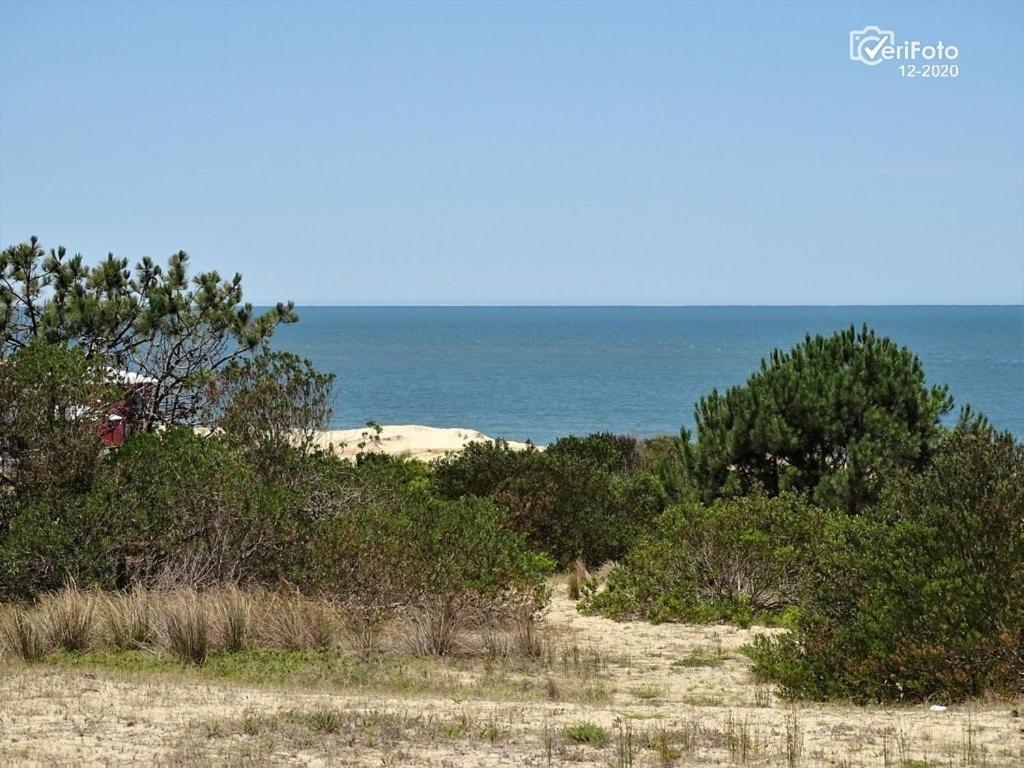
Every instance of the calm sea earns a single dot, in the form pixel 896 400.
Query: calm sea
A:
pixel 540 372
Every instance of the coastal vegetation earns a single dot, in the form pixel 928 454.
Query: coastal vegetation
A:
pixel 824 496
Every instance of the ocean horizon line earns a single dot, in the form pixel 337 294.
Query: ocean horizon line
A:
pixel 635 306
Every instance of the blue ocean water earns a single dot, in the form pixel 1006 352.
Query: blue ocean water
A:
pixel 540 372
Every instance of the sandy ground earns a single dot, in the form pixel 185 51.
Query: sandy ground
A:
pixel 656 710
pixel 411 440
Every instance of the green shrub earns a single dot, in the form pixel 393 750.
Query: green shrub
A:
pixel 734 560
pixel 272 404
pixel 381 475
pixel 175 505
pixel 49 538
pixel 190 509
pixel 670 458
pixel 573 500
pixel 572 509
pixel 923 596
pixel 195 509
pixel 54 403
pixel 479 469
pixel 615 453
pixel 446 563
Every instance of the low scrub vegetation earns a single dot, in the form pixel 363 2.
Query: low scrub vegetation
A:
pixel 735 559
pixel 438 563
pixel 580 498
pixel 922 597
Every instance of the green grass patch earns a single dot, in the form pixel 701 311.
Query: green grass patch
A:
pixel 647 693
pixel 701 657
pixel 407 675
pixel 587 733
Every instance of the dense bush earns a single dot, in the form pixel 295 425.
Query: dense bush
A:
pixel 572 509
pixel 272 405
pixel 196 509
pixel 670 458
pixel 479 469
pixel 445 563
pixel 735 559
pixel 615 453
pixel 923 596
pixel 165 505
pixel 576 499
pixel 53 404
pixel 833 417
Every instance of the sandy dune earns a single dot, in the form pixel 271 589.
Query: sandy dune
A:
pixel 411 440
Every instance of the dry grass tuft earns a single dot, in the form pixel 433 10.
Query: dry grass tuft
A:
pixel 497 641
pixel 322 624
pixel 526 634
pixel 294 622
pixel 69 618
pixel 363 630
pixel 21 634
pixel 233 616
pixel 577 579
pixel 185 627
pixel 128 619
pixel 436 625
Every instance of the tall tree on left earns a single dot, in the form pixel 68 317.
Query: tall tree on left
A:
pixel 153 320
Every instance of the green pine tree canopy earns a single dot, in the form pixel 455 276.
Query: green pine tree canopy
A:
pixel 152 320
pixel 832 417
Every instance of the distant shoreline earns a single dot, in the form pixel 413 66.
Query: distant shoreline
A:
pixel 414 441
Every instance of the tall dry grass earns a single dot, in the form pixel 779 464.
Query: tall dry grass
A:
pixel 189 624
pixel 184 631
pixel 363 628
pixel 69 618
pixel 436 624
pixel 293 621
pixel 232 610
pixel 21 634
pixel 577 579
pixel 127 618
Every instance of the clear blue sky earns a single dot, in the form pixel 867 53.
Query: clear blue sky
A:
pixel 537 153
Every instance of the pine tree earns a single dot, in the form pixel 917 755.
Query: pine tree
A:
pixel 152 320
pixel 832 417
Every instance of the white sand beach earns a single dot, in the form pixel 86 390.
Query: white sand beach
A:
pixel 412 440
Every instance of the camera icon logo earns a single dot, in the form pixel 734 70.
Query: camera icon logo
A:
pixel 866 44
